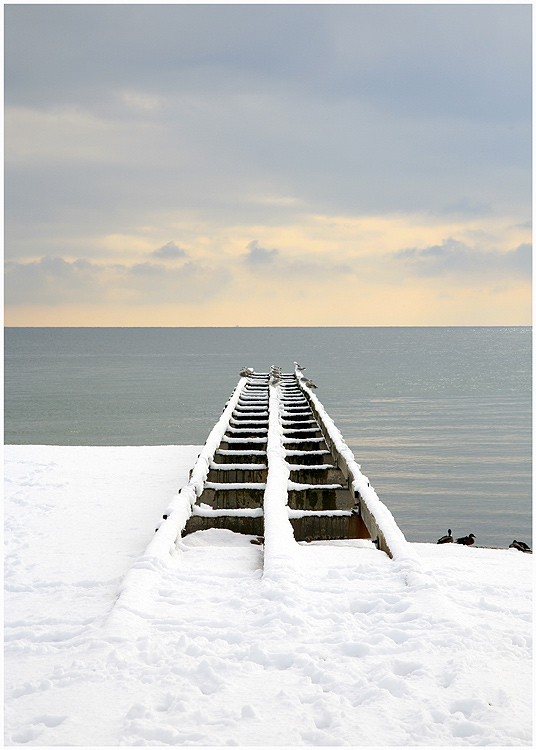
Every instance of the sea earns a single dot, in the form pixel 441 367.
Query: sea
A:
pixel 438 418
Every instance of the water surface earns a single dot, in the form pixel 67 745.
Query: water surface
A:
pixel 438 418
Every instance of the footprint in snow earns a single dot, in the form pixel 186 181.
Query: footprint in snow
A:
pixel 49 720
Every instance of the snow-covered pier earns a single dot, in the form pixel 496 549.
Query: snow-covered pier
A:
pixel 275 441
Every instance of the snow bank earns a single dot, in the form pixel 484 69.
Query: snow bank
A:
pixel 210 653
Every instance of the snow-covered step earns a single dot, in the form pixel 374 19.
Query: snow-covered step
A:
pixel 310 467
pixel 237 453
pixel 243 408
pixel 245 428
pixel 299 422
pixel 238 466
pixel 235 485
pixel 207 512
pixel 246 414
pixel 303 440
pixel 228 439
pixel 301 486
pixel 245 423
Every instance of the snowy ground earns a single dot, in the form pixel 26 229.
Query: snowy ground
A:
pixel 105 646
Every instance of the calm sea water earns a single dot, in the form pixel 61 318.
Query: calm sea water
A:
pixel 438 418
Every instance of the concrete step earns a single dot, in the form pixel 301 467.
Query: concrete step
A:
pixel 234 497
pixel 309 457
pixel 313 527
pixel 321 498
pixel 324 474
pixel 240 525
pixel 239 457
pixel 237 475
pixel 243 444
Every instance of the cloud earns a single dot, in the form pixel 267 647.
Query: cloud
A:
pixel 218 124
pixel 455 258
pixel 56 281
pixel 272 262
pixel 417 96
pixel 461 59
pixel 169 251
pixel 466 207
pixel 148 269
pixel 259 256
pixel 52 281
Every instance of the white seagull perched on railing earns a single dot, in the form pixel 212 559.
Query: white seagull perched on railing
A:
pixel 299 367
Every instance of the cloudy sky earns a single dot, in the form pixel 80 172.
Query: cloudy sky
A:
pixel 184 165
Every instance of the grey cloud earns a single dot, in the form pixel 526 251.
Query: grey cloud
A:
pixel 438 58
pixel 55 281
pixel 52 281
pixel 466 207
pixel 453 257
pixel 272 262
pixel 169 251
pixel 349 109
pixel 147 269
pixel 259 256
pixel 192 283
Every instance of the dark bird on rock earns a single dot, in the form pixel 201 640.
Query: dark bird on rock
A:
pixel 446 539
pixel 466 539
pixel 521 546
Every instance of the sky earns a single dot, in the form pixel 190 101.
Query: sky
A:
pixel 267 165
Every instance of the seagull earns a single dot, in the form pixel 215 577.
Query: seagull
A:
pixel 521 546
pixel 466 539
pixel 299 367
pixel 310 384
pixel 245 372
pixel 446 539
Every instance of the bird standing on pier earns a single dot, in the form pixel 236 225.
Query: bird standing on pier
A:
pixel 310 384
pixel 521 546
pixel 446 539
pixel 246 372
pixel 299 367
pixel 467 540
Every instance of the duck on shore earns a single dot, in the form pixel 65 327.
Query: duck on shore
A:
pixel 521 546
pixel 467 540
pixel 447 539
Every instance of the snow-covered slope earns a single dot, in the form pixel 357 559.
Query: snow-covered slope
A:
pixel 344 648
